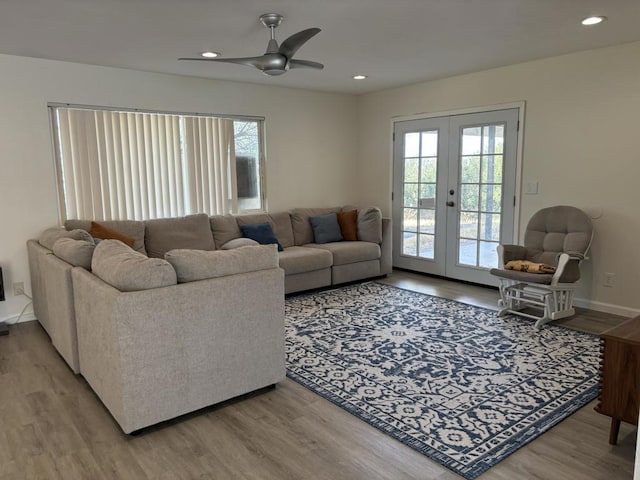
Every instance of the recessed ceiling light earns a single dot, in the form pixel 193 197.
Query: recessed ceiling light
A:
pixel 359 77
pixel 593 20
pixel 210 54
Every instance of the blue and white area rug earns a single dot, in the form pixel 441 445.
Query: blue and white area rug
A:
pixel 453 381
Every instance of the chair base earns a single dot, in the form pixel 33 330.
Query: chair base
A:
pixel 552 301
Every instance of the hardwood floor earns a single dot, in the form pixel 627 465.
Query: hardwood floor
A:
pixel 53 426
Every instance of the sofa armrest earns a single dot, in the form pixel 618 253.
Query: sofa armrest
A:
pixel 156 354
pixel 386 252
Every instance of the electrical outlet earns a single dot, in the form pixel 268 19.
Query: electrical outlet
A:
pixel 18 288
pixel 609 279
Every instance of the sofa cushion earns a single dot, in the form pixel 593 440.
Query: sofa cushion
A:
pixel 127 270
pixel 349 252
pixel 130 228
pixel 51 235
pixel 326 228
pixel 100 231
pixel 261 233
pixel 224 229
pixel 301 260
pixel 370 225
pixel 76 252
pixel 193 265
pixel 280 224
pixel 302 232
pixel 191 232
pixel 348 222
pixel 238 242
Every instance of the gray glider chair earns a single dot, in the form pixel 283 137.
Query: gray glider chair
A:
pixel 557 236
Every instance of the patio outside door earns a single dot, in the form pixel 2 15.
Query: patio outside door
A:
pixel 454 193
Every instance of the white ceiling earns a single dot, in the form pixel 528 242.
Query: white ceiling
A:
pixel 394 42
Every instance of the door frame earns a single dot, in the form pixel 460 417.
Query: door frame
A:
pixel 521 105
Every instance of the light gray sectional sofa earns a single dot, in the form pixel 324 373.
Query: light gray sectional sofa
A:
pixel 176 322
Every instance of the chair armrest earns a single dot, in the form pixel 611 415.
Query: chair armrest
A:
pixel 506 253
pixel 567 268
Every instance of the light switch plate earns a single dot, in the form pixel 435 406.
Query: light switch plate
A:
pixel 531 188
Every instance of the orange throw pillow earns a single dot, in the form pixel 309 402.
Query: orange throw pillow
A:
pixel 348 222
pixel 104 233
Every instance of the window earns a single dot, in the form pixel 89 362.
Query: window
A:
pixel 141 165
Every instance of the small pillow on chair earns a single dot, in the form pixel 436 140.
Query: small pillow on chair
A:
pixel 348 222
pixel 529 267
pixel 326 228
pixel 261 233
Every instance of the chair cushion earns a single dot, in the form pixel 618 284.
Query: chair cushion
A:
pixel 238 242
pixel 349 252
pixel 280 224
pixel 302 259
pixel 78 253
pixel 370 225
pixel 541 278
pixel 302 232
pixel 191 232
pixel 224 229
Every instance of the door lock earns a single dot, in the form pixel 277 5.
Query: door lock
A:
pixel 450 203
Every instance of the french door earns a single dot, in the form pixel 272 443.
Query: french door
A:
pixel 454 193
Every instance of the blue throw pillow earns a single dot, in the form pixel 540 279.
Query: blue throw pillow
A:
pixel 326 228
pixel 261 233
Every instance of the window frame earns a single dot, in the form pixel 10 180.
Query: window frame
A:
pixel 260 120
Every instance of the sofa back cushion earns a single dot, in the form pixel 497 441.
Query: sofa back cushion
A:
pixel 76 252
pixel 193 265
pixel 224 229
pixel 302 231
pixel 51 235
pixel 129 228
pixel 127 270
pixel 190 232
pixel 370 224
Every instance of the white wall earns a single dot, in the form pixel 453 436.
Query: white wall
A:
pixel 310 140
pixel 582 143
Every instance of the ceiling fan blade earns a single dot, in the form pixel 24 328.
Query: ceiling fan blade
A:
pixel 290 46
pixel 305 64
pixel 258 62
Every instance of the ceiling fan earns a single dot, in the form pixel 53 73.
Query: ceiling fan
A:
pixel 276 60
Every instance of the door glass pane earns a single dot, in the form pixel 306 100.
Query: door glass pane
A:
pixel 427 221
pixel 468 252
pixel 491 198
pixel 426 246
pixel 411 166
pixel 430 144
pixel 470 170
pixel 492 169
pixel 411 144
pixel 429 170
pixel 469 197
pixel 490 226
pixel 471 140
pixel 410 194
pixel 488 255
pixel 427 190
pixel 409 245
pixel 468 225
pixel 410 220
pixel 493 139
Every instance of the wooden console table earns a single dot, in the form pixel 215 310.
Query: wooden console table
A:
pixel 619 396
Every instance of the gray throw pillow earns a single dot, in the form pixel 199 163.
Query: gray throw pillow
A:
pixel 326 228
pixel 127 270
pixel 76 252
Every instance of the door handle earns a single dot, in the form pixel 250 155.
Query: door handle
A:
pixel 450 203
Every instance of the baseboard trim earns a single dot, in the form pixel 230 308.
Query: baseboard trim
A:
pixel 606 307
pixel 11 320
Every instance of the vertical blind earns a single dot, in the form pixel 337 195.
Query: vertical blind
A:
pixel 129 165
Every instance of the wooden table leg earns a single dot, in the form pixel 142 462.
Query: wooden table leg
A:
pixel 613 433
